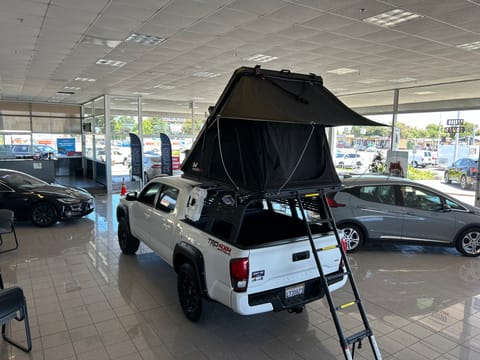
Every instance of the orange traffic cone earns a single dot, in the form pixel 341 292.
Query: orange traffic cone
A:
pixel 123 191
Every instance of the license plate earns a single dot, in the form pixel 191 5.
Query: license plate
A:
pixel 294 290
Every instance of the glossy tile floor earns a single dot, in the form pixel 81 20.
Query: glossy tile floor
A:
pixel 87 301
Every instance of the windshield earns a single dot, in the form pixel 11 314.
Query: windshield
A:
pixel 21 181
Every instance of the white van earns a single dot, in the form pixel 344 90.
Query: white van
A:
pixel 420 158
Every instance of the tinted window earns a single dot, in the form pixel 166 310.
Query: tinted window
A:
pixel 417 198
pixel 147 196
pixel 167 199
pixel 384 194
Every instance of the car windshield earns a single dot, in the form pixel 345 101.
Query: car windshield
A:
pixel 22 181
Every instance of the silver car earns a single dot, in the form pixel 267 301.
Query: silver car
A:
pixel 394 209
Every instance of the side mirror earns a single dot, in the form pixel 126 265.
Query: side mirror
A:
pixel 131 196
pixel 447 208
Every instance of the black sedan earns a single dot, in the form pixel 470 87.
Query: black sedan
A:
pixel 44 204
pixel 463 171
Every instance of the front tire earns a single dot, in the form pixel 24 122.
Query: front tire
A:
pixel 44 214
pixel 127 242
pixel 353 235
pixel 463 182
pixel 468 243
pixel 447 178
pixel 189 292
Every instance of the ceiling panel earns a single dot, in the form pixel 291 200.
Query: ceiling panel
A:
pixel 45 45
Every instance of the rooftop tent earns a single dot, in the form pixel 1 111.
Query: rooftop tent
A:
pixel 267 133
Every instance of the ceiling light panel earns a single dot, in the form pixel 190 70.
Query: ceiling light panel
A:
pixel 145 39
pixel 342 71
pixel 470 46
pixel 403 80
pixel 392 18
pixel 164 87
pixel 261 58
pixel 85 79
pixel 110 62
pixel 424 92
pixel 101 42
pixel 205 74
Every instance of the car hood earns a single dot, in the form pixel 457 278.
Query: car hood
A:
pixel 63 191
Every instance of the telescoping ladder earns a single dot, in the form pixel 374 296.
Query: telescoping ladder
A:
pixel 347 343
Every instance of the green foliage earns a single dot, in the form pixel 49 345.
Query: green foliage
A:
pixel 416 174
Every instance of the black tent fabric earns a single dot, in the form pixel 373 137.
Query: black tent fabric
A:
pixel 267 133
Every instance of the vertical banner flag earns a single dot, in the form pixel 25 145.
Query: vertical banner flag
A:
pixel 136 150
pixel 166 154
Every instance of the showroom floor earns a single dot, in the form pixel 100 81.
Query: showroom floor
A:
pixel 87 301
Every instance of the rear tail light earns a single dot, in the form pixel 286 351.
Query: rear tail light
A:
pixel 333 204
pixel 473 170
pixel 239 274
pixel 156 166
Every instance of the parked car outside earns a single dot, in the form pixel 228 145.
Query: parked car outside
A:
pixel 44 204
pixel 463 171
pixel 152 167
pixel 349 160
pixel 28 151
pixel 420 158
pixel 399 210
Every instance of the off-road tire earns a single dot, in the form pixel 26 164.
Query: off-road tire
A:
pixel 127 242
pixel 189 292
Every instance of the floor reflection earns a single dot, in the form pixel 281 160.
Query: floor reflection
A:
pixel 88 301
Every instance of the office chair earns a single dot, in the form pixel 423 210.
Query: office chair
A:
pixel 13 305
pixel 6 227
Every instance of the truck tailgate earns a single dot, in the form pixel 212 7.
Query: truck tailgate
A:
pixel 291 263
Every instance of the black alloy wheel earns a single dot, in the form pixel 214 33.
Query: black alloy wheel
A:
pixel 189 292
pixel 44 214
pixel 127 242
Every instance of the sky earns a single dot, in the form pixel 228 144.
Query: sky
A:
pixel 421 120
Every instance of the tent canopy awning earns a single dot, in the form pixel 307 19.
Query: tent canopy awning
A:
pixel 267 133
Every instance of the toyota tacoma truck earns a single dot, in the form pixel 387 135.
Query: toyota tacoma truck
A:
pixel 250 252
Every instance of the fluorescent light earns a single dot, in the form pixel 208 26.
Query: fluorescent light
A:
pixel 368 81
pixel 261 58
pixel 85 79
pixel 101 42
pixel 424 92
pixel 71 88
pixel 110 62
pixel 392 18
pixel 164 87
pixel 342 71
pixel 402 80
pixel 205 74
pixel 145 39
pixel 470 46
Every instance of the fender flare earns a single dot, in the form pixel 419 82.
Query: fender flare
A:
pixel 185 252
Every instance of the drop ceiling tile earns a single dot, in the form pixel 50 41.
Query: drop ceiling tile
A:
pixel 231 17
pixel 328 22
pixel 257 7
pixel 295 14
pixel 192 9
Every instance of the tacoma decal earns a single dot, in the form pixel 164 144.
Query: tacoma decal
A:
pixel 219 246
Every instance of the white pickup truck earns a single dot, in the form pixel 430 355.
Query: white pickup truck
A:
pixel 249 253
